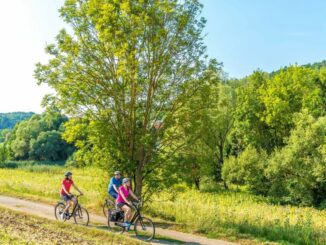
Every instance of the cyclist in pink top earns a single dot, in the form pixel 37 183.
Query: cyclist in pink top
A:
pixel 123 202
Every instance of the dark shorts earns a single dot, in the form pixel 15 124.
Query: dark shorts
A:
pixel 66 198
pixel 121 204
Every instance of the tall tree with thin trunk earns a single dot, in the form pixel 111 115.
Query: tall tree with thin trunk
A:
pixel 127 65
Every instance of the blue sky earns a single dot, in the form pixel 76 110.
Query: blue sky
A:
pixel 243 34
pixel 266 34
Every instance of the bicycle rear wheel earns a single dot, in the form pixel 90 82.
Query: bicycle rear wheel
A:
pixel 107 206
pixel 58 210
pixel 115 226
pixel 81 216
pixel 144 229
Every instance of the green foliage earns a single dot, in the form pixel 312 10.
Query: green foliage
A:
pixel 4 134
pixel 49 146
pixel 249 128
pixel 39 138
pixel 267 104
pixel 288 93
pixel 9 120
pixel 4 153
pixel 295 173
pixel 298 171
pixel 248 168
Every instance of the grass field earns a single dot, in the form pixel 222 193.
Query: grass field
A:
pixel 18 228
pixel 228 215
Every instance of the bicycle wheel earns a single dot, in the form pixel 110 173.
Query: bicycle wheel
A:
pixel 115 226
pixel 81 216
pixel 107 206
pixel 144 229
pixel 58 210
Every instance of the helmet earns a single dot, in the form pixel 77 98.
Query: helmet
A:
pixel 125 180
pixel 67 174
pixel 117 172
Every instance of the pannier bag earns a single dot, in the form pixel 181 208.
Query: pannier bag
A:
pixel 116 215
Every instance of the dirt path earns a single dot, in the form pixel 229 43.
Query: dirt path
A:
pixel 47 211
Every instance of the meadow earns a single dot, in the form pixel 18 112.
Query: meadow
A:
pixel 232 215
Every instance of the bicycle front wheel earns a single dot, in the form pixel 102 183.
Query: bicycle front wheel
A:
pixel 144 229
pixel 81 216
pixel 58 210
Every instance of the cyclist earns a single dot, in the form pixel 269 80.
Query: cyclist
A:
pixel 123 202
pixel 65 193
pixel 114 184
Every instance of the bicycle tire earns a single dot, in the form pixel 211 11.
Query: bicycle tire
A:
pixel 58 209
pixel 81 216
pixel 144 229
pixel 114 228
pixel 107 206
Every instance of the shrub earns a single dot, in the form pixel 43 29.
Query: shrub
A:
pixel 247 169
pixel 298 171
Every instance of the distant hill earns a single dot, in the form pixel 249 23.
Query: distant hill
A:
pixel 9 120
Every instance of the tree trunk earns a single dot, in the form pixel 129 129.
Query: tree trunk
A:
pixel 197 183
pixel 226 187
pixel 220 161
pixel 138 181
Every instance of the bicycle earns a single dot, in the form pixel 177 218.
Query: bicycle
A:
pixel 107 206
pixel 144 227
pixel 79 213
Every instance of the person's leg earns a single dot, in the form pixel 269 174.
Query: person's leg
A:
pixel 68 204
pixel 74 201
pixel 127 211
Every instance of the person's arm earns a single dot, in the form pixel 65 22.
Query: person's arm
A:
pixel 77 189
pixel 134 196
pixel 115 188
pixel 64 189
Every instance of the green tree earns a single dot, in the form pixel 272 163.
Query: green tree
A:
pixel 247 169
pixel 297 172
pixel 267 105
pixel 4 134
pixel 4 152
pixel 249 128
pixel 287 93
pixel 49 146
pixel 22 135
pixel 27 139
pixel 126 65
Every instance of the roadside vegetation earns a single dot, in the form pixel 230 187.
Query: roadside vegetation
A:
pixel 19 228
pixel 234 215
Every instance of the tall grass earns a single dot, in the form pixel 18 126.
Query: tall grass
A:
pixel 232 213
pixel 217 214
pixel 43 182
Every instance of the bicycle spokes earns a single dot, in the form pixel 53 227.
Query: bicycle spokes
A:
pixel 144 229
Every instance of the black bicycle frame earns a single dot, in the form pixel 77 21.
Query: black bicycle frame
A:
pixel 75 207
pixel 135 216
